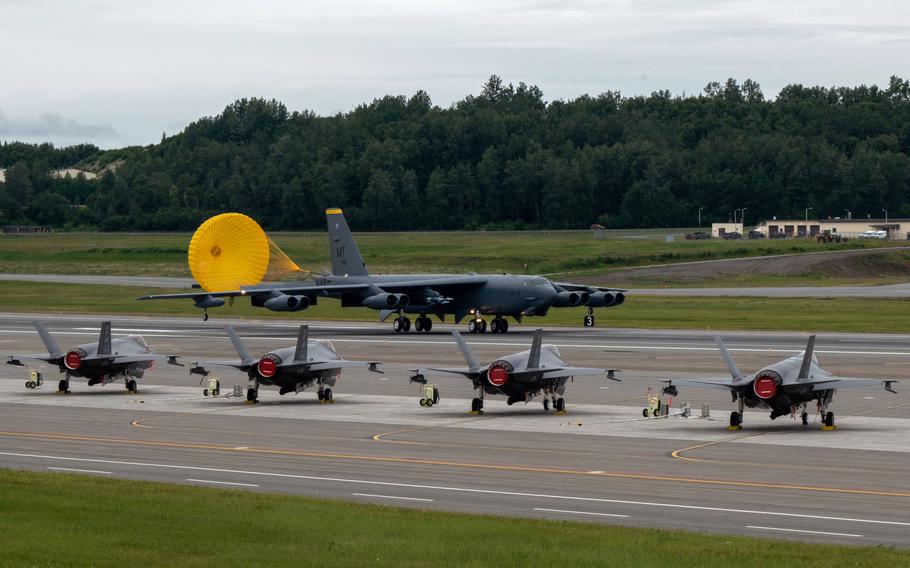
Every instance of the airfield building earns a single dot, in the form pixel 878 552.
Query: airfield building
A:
pixel 895 229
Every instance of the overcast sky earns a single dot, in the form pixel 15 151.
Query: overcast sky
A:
pixel 121 72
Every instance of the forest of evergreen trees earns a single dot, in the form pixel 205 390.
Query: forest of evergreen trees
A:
pixel 503 159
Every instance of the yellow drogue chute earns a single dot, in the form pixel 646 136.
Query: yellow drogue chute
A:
pixel 231 250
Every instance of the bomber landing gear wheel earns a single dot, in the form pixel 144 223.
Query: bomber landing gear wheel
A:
pixel 472 326
pixel 427 325
pixel 418 324
pixel 205 316
pixel 406 324
pixel 503 325
pixel 252 396
pixel 483 326
pixel 397 325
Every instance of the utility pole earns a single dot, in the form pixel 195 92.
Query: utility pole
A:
pixel 699 216
pixel 807 213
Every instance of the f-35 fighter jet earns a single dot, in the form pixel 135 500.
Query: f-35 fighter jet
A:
pixel 104 362
pixel 292 369
pixel 785 387
pixel 519 376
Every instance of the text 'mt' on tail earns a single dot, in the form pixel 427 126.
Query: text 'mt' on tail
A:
pixel 346 259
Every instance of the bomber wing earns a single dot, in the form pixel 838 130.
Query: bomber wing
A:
pixel 586 288
pixel 313 289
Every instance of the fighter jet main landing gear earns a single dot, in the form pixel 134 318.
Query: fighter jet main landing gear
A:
pixel 477 403
pixel 828 421
pixel 131 386
pixel 559 406
pixel 736 417
pixel 325 396
pixel 63 387
pixel 401 324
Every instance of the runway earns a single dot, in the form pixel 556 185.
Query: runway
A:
pixel 602 462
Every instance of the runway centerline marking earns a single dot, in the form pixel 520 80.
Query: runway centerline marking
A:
pixel 455 464
pixel 392 497
pixel 581 513
pixel 222 482
pixel 803 531
pixel 79 470
pixel 460 489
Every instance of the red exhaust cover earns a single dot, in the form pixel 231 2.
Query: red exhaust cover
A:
pixel 72 360
pixel 765 387
pixel 267 367
pixel 498 375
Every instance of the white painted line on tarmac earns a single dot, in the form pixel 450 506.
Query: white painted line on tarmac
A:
pixel 79 470
pixel 580 513
pixel 222 482
pixel 392 497
pixel 460 489
pixel 803 531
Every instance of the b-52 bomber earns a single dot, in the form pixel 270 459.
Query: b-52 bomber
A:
pixel 519 376
pixel 101 363
pixel 460 295
pixel 785 387
pixel 292 369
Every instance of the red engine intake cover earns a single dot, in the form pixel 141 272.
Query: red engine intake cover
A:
pixel 72 360
pixel 267 367
pixel 498 375
pixel 765 387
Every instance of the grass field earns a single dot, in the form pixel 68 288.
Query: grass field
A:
pixel 73 520
pixel 538 252
pixel 780 314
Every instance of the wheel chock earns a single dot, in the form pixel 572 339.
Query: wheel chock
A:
pixel 734 427
pixel 475 412
pixel 829 428
pixel 559 413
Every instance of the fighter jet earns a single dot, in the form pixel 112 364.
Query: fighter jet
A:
pixel 460 295
pixel 785 387
pixel 519 376
pixel 103 362
pixel 292 369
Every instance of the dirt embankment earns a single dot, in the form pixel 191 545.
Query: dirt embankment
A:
pixel 858 264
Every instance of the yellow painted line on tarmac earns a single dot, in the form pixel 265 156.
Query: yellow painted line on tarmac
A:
pixel 875 410
pixel 138 423
pixel 466 465
pixel 678 453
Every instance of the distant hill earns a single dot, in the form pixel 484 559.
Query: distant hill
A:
pixel 504 158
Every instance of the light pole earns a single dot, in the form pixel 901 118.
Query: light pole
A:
pixel 742 218
pixel 886 215
pixel 699 216
pixel 849 214
pixel 807 213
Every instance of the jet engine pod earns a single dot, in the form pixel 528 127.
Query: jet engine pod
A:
pixel 620 298
pixel 766 385
pixel 73 359
pixel 567 299
pixel 601 300
pixel 498 373
pixel 285 303
pixel 386 301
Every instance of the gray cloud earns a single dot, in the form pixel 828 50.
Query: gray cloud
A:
pixel 51 126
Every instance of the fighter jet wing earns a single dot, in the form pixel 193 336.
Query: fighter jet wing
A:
pixel 115 359
pixel 239 365
pixel 578 371
pixel 466 372
pixel 336 364
pixel 17 359
pixel 848 382
pixel 722 383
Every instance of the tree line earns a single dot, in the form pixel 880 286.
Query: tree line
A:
pixel 502 159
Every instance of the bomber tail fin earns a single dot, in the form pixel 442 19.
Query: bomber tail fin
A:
pixel 104 340
pixel 238 345
pixel 346 259
pixel 807 359
pixel 728 359
pixel 49 342
pixel 300 354
pixel 534 353
pixel 465 350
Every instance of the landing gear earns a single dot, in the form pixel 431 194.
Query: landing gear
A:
pixel 499 325
pixel 205 315
pixel 423 323
pixel 736 417
pixel 546 405
pixel 252 396
pixel 827 417
pixel 477 325
pixel 63 387
pixel 476 406
pixel 828 421
pixel 560 405
pixel 401 324
pixel 131 386
pixel 804 417
pixel 327 396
